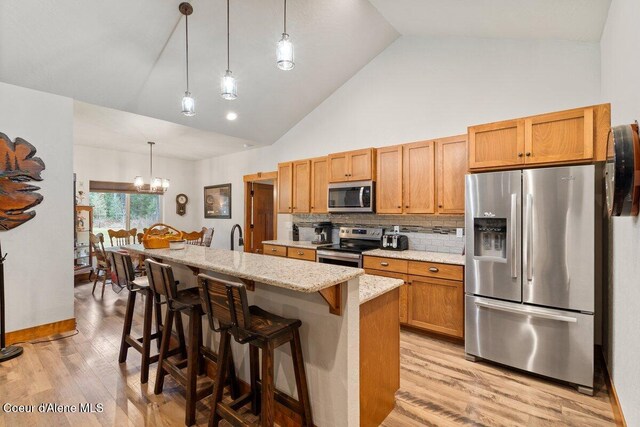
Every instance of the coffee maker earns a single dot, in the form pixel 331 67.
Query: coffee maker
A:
pixel 322 232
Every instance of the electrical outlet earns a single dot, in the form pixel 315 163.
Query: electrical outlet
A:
pixel 459 232
pixel 396 228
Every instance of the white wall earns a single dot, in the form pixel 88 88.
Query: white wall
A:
pixel 621 86
pixel 39 266
pixel 97 164
pixel 422 88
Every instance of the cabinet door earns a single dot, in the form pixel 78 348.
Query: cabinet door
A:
pixel 451 168
pixel 404 292
pixel 361 165
pixel 285 181
pixel 319 184
pixel 436 305
pixel 301 186
pixel 419 177
pixel 389 183
pixel 338 167
pixel 496 145
pixel 559 137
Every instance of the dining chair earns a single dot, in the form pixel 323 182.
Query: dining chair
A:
pixel 122 237
pixel 208 236
pixel 102 261
pixel 193 237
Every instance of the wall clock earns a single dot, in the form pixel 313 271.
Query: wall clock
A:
pixel 181 204
pixel 622 171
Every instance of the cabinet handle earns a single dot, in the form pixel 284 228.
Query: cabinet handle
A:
pixel 410 282
pixel 433 269
pixel 274 250
pixel 519 154
pixel 406 207
pixel 528 154
pixel 399 207
pixel 384 264
pixel 439 206
pixel 300 253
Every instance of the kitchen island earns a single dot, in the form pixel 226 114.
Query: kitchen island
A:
pixel 326 298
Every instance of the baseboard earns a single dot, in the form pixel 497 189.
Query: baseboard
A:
pixel 41 331
pixel 613 395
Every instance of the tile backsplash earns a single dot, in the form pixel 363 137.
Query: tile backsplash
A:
pixel 425 232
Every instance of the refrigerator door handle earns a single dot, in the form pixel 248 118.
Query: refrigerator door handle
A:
pixel 514 228
pixel 524 312
pixel 529 231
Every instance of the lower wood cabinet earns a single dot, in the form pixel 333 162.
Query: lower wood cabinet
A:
pixel 300 253
pixel 432 298
pixel 275 250
pixel 436 305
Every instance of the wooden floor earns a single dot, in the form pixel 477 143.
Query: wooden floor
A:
pixel 438 387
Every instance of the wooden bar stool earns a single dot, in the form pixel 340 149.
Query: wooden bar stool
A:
pixel 123 268
pixel 227 303
pixel 186 301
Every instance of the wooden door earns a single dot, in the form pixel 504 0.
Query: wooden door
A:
pixel 285 185
pixel 301 186
pixel 261 228
pixel 436 305
pixel 319 184
pixel 451 169
pixel 339 167
pixel 404 290
pixel 361 165
pixel 419 177
pixel 389 180
pixel 559 137
pixel 496 145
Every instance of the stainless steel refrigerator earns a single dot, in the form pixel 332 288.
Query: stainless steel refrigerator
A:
pixel 531 270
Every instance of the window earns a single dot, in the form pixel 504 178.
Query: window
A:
pixel 123 211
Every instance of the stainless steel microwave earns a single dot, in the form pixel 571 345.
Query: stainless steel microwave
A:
pixel 356 196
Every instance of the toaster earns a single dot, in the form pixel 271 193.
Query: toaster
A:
pixel 395 242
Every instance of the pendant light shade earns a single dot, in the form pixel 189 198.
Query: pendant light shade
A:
pixel 284 50
pixel 156 185
pixel 188 103
pixel 228 84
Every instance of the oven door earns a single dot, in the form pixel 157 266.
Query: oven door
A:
pixel 339 258
pixel 351 197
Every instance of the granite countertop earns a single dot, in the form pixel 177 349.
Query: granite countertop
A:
pixel 372 287
pixel 302 244
pixel 297 275
pixel 443 258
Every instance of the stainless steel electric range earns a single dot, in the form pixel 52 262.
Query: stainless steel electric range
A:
pixel 353 242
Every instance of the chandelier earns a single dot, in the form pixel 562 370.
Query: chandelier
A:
pixel 156 185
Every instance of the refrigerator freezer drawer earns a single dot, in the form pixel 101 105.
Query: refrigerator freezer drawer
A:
pixel 554 343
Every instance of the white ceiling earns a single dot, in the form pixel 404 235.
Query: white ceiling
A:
pixel 581 20
pixel 129 55
pixel 103 127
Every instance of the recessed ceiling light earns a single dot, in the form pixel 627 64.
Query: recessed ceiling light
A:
pixel 231 115
pixel 247 145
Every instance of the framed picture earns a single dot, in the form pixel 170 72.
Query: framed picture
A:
pixel 217 201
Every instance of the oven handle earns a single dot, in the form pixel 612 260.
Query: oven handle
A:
pixel 339 257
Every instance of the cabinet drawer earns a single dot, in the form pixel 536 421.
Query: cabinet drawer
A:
pixel 305 254
pixel 385 264
pixel 275 250
pixel 432 269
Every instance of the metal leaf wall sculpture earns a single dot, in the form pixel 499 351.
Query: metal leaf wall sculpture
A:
pixel 18 166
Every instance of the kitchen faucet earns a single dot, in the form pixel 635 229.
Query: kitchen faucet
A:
pixel 240 239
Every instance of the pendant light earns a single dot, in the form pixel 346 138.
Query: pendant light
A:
pixel 188 103
pixel 228 84
pixel 284 50
pixel 156 184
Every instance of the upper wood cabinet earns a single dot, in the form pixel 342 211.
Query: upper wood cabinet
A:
pixel 301 200
pixel 389 183
pixel 559 137
pixel 571 136
pixel 294 187
pixel 419 177
pixel 451 167
pixel 319 184
pixel 358 165
pixel 424 177
pixel 285 185
pixel 496 145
